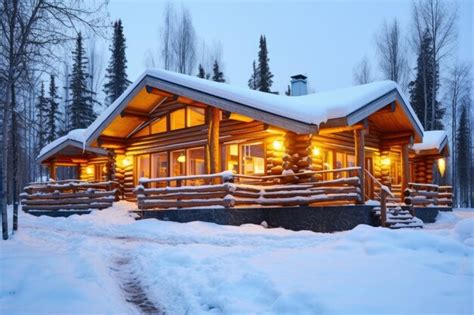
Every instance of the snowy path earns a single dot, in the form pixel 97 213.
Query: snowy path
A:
pixel 108 263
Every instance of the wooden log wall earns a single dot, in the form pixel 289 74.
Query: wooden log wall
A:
pixel 423 167
pixel 385 167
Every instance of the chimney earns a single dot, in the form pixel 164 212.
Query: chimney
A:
pixel 299 85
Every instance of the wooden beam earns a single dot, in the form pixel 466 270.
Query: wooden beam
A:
pixel 398 141
pixel 326 131
pixel 390 108
pixel 213 151
pixel 52 170
pixel 155 91
pixel 405 168
pixel 359 141
pixel 400 134
pixel 135 114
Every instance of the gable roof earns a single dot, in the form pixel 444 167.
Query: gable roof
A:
pixel 301 114
pixel 75 139
pixel 433 141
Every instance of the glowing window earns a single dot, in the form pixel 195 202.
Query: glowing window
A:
pixel 177 119
pixel 143 166
pixel 253 159
pixel 196 116
pixel 159 125
pixel 231 157
pixel 196 164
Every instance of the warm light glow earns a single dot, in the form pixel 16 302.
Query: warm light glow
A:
pixel 104 169
pixel 126 162
pixel 385 161
pixel 441 166
pixel 316 151
pixel 277 145
pixel 89 170
pixel 182 158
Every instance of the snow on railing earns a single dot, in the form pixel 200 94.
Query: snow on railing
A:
pixel 228 193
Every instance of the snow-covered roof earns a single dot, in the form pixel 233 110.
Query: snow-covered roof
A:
pixel 74 138
pixel 311 109
pixel 433 139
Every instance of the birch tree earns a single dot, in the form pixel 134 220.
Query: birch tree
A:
pixel 362 73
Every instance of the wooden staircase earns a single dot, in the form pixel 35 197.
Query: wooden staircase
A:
pixel 397 218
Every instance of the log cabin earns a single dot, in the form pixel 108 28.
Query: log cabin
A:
pixel 170 130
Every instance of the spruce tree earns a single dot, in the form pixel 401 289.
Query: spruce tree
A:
pixel 217 75
pixel 81 111
pixel 53 114
pixel 421 92
pixel 41 119
pixel 463 156
pixel 253 81
pixel 264 74
pixel 201 73
pixel 116 76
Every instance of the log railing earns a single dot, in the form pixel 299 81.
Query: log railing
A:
pixel 423 195
pixel 69 195
pixel 230 190
pixel 382 194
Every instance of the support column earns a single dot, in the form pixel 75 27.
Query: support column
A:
pixel 359 141
pixel 52 170
pixel 405 168
pixel 213 148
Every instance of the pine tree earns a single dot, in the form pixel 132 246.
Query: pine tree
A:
pixel 116 76
pixel 253 81
pixel 421 92
pixel 217 75
pixel 463 156
pixel 264 75
pixel 81 112
pixel 202 73
pixel 53 115
pixel 41 119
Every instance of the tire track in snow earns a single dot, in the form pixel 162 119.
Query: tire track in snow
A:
pixel 132 287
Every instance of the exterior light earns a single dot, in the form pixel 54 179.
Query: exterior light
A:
pixel 104 169
pixel 277 145
pixel 89 170
pixel 386 162
pixel 441 166
pixel 182 158
pixel 316 151
pixel 126 162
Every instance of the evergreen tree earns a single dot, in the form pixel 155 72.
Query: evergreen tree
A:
pixel 463 156
pixel 81 112
pixel 264 75
pixel 421 92
pixel 41 119
pixel 116 76
pixel 217 75
pixel 253 81
pixel 53 115
pixel 202 73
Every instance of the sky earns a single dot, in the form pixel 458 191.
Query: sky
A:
pixel 321 39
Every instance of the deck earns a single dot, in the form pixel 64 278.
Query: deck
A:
pixel 293 200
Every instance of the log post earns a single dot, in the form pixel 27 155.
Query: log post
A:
pixel 52 170
pixel 383 207
pixel 359 148
pixel 405 168
pixel 213 154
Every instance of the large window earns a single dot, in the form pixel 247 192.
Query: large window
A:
pixel 178 119
pixel 195 116
pixel 159 126
pixel 230 158
pixel 178 163
pixel 143 166
pixel 253 159
pixel 159 166
pixel 327 163
pixel 196 164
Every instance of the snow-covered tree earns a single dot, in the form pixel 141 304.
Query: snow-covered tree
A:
pixel 53 115
pixel 217 74
pixel 41 118
pixel 253 81
pixel 264 74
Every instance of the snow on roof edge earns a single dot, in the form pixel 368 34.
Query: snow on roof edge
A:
pixel 432 139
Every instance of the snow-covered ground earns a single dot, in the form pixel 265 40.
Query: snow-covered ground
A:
pixel 96 263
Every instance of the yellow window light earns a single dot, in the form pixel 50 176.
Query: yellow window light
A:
pixel 89 170
pixel 386 161
pixel 441 166
pixel 182 158
pixel 126 162
pixel 316 151
pixel 277 145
